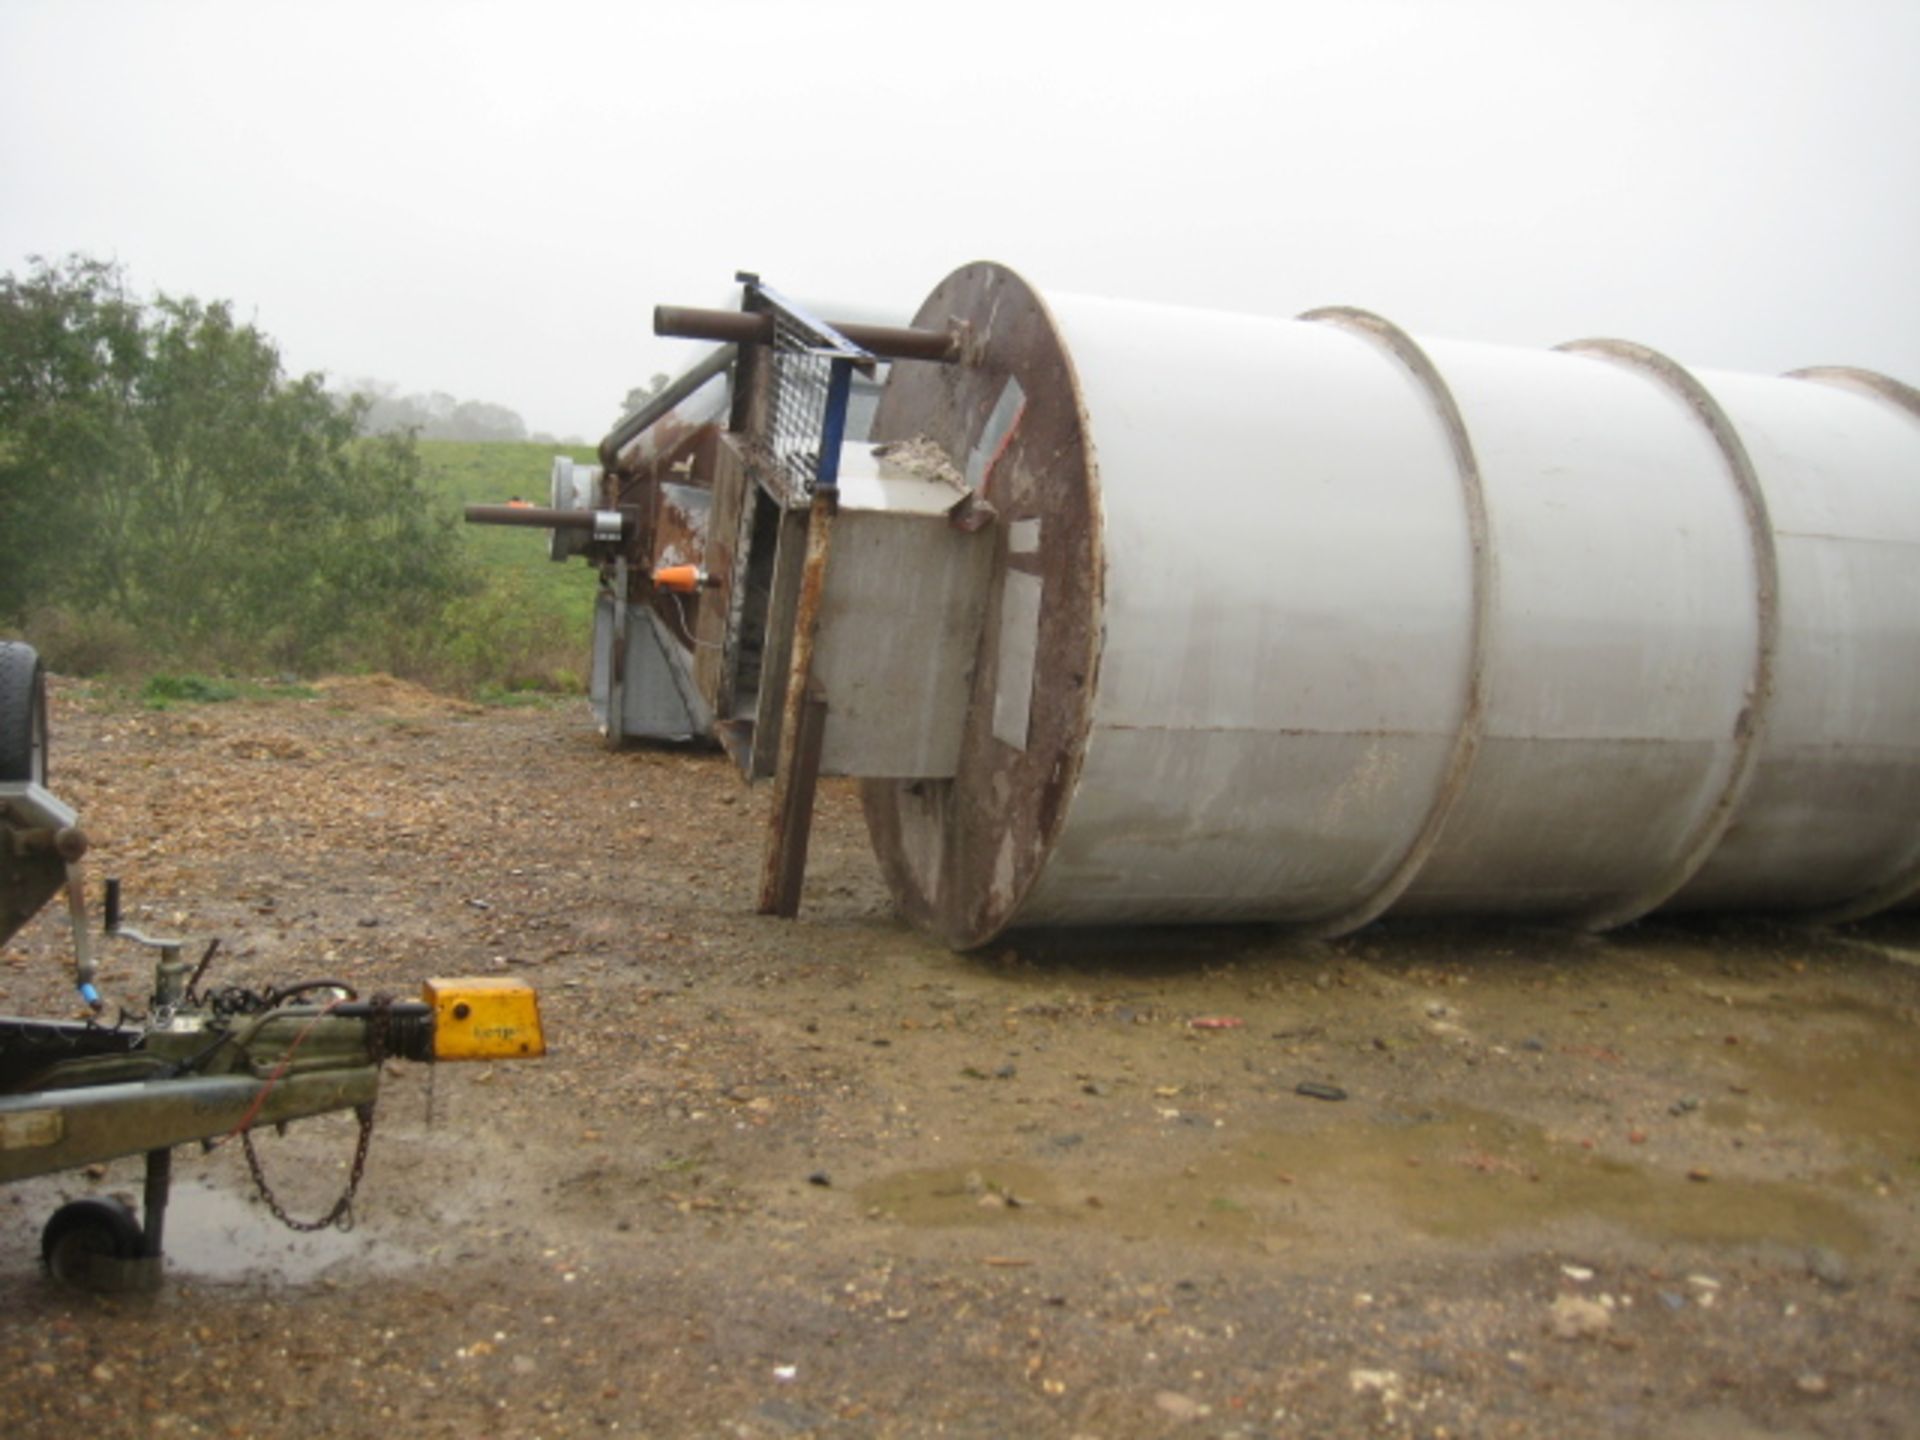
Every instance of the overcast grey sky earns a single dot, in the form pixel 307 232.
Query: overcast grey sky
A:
pixel 488 199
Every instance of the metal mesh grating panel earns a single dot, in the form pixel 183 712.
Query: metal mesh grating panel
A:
pixel 811 364
pixel 801 375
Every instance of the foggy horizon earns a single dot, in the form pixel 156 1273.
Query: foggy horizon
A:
pixel 488 201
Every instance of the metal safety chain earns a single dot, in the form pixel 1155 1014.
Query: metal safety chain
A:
pixel 340 1216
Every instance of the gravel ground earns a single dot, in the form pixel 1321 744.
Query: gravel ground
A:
pixel 823 1177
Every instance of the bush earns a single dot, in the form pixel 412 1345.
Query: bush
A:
pixel 500 637
pixel 74 642
pixel 162 480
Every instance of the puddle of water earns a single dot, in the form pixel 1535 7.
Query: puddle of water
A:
pixel 218 1235
pixel 1016 1195
pixel 1456 1175
pixel 1468 1174
pixel 1860 1085
pixel 213 1234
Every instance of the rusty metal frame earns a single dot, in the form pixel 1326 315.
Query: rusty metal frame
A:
pixel 803 714
pixel 617 659
pixel 780 624
pixel 798 394
pixel 790 828
pixel 657 407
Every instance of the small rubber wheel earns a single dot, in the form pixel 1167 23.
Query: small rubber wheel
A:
pixel 82 1229
pixel 23 714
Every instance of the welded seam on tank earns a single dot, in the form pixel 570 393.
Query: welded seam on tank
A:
pixel 1866 382
pixel 1750 725
pixel 1904 883
pixel 1832 537
pixel 1299 732
pixel 1468 734
pixel 1291 732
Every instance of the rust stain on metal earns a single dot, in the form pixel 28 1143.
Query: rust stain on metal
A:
pixel 893 342
pixel 960 855
pixel 712 672
pixel 681 450
pixel 801 732
pixel 650 454
pixel 680 533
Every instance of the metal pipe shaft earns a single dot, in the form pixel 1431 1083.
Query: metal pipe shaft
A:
pixel 159 1186
pixel 623 434
pixel 533 517
pixel 741 327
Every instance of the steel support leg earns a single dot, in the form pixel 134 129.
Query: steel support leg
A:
pixel 802 732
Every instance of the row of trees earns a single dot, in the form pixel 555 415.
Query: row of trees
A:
pixel 439 416
pixel 384 410
pixel 159 468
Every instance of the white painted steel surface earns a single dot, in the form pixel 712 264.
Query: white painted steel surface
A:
pixel 1318 696
pixel 1624 643
pixel 1833 820
pixel 1285 663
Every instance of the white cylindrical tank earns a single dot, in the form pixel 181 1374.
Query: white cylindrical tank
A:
pixel 1302 621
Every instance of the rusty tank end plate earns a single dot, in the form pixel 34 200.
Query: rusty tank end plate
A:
pixel 961 854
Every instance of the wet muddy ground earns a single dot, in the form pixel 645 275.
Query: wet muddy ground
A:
pixel 786 1179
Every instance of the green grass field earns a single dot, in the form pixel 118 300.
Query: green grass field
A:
pixel 520 627
pixel 529 625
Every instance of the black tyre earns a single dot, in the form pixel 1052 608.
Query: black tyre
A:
pixel 82 1229
pixel 23 714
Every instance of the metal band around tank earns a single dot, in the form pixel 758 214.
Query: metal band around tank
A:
pixel 1466 740
pixel 1751 724
pixel 1905 882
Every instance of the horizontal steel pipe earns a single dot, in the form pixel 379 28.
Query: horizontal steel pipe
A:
pixel 742 327
pixel 532 517
pixel 657 407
